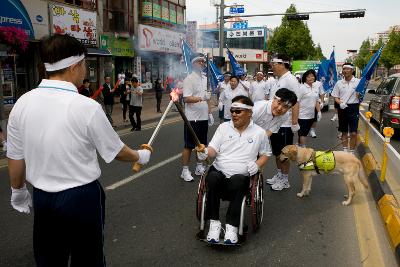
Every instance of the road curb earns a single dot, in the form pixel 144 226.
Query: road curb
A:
pixel 387 204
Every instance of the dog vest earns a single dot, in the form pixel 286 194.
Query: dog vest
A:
pixel 320 160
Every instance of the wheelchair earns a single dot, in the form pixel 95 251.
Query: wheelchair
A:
pixel 254 199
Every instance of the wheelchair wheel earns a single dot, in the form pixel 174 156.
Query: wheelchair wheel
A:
pixel 200 194
pixel 257 201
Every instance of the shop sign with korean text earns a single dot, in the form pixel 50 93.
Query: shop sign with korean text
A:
pixel 159 40
pixel 120 47
pixel 245 33
pixel 76 22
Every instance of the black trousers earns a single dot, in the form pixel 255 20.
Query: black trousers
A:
pixel 68 226
pixel 158 97
pixel 138 111
pixel 124 109
pixel 232 189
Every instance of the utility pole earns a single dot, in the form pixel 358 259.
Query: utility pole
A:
pixel 221 28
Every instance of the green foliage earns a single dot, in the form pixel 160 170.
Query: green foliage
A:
pixel 364 54
pixel 293 38
pixel 391 52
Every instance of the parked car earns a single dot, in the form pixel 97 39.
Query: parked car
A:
pixel 385 104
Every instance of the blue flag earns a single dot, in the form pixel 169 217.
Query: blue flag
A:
pixel 237 69
pixel 367 73
pixel 327 73
pixel 215 76
pixel 187 55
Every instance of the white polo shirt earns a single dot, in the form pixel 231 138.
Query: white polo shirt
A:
pixel 344 89
pixel 290 82
pixel 244 83
pixel 57 131
pixel 308 101
pixel 269 83
pixel 195 85
pixel 223 85
pixel 262 116
pixel 319 88
pixel 226 98
pixel 235 150
pixel 258 90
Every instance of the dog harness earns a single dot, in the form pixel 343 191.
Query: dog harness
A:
pixel 320 160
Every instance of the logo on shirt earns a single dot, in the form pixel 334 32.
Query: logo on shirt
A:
pixel 250 140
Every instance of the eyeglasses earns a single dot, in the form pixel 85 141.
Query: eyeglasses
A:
pixel 236 111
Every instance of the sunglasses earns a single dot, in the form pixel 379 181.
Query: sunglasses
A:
pixel 236 111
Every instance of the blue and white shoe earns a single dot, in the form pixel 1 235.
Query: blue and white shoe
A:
pixel 214 232
pixel 231 236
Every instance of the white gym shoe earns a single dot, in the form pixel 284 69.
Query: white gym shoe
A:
pixel 186 175
pixel 274 179
pixel 213 233
pixel 231 236
pixel 312 133
pixel 281 184
pixel 334 118
pixel 200 169
pixel 4 146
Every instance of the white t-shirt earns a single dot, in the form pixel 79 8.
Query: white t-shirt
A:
pixel 136 100
pixel 195 85
pixel 307 102
pixel 223 85
pixel 243 84
pixel 262 116
pixel 258 90
pixel 319 88
pixel 269 83
pixel 346 90
pixel 226 98
pixel 290 82
pixel 57 132
pixel 235 150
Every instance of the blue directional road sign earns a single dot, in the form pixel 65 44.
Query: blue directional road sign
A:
pixel 240 10
pixel 233 10
pixel 240 25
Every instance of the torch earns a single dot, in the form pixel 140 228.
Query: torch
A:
pixel 136 166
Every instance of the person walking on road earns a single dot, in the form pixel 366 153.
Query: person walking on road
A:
pixel 159 90
pixel 108 95
pixel 84 89
pixel 221 87
pixel 225 99
pixel 198 113
pixel 135 106
pixel 284 137
pixel 125 96
pixel 54 134
pixel 346 97
pixel 258 90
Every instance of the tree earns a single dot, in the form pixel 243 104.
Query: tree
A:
pixel 391 52
pixel 364 54
pixel 293 38
pixel 318 53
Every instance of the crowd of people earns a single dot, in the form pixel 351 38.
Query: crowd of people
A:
pixel 257 120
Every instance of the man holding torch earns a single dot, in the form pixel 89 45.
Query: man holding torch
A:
pixel 54 134
pixel 198 112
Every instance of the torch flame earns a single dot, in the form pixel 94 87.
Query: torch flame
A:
pixel 174 94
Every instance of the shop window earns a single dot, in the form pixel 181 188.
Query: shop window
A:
pixel 117 15
pixel 89 4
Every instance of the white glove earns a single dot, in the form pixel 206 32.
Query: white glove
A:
pixel 144 156
pixel 252 168
pixel 343 105
pixel 21 199
pixel 319 116
pixel 321 105
pixel 202 155
pixel 220 106
pixel 210 120
pixel 207 96
pixel 295 127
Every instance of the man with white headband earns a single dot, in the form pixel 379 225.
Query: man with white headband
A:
pixel 346 97
pixel 197 111
pixel 258 88
pixel 54 136
pixel 284 137
pixel 240 149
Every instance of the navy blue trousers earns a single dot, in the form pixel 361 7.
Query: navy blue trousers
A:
pixel 68 226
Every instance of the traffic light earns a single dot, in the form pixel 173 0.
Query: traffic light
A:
pixel 298 17
pixel 352 14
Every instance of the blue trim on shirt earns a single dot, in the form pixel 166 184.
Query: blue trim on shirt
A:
pixel 57 88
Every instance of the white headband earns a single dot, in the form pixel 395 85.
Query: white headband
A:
pixel 240 105
pixel 260 72
pixel 348 66
pixel 278 60
pixel 64 63
pixel 197 58
pixel 284 102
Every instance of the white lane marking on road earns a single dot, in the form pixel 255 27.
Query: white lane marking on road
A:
pixel 145 171
pixel 125 132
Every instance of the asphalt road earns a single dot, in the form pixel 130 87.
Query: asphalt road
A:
pixel 151 220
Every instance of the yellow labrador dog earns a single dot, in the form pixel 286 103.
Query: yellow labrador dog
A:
pixel 345 163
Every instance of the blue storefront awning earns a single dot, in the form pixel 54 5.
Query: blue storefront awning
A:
pixel 14 14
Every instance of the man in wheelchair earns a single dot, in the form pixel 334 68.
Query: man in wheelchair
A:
pixel 240 149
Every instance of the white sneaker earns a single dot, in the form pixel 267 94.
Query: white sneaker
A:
pixel 213 233
pixel 4 146
pixel 281 184
pixel 334 118
pixel 275 178
pixel 187 176
pixel 231 236
pixel 312 133
pixel 200 170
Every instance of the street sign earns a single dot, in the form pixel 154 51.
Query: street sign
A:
pixel 240 25
pixel 9 101
pixel 233 10
pixel 240 10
